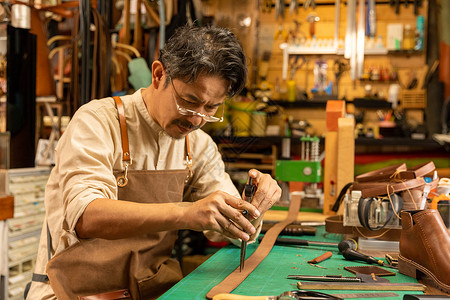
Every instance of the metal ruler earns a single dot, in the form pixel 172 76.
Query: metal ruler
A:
pixel 366 295
pixel 365 286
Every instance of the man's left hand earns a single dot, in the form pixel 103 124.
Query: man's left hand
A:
pixel 267 191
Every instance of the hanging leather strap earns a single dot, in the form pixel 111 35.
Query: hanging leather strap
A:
pixel 236 277
pixel 123 130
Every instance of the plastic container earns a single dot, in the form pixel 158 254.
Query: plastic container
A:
pixel 258 123
pixel 377 245
pixel 408 38
pixel 420 30
pixel 241 115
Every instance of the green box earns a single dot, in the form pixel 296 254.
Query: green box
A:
pixel 298 170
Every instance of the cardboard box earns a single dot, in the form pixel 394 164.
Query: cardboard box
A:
pixel 394 36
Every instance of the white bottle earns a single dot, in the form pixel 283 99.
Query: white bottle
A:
pixel 353 213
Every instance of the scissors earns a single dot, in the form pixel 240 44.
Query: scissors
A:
pixel 249 190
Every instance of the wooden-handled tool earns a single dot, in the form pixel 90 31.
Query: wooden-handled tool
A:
pixel 336 296
pixel 241 297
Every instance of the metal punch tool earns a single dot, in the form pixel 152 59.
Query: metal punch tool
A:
pixel 249 190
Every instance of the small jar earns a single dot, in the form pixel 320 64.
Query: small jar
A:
pixel 408 38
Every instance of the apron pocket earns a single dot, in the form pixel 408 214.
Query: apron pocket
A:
pixel 169 274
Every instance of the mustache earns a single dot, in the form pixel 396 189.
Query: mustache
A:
pixel 185 124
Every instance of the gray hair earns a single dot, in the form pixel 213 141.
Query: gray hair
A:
pixel 210 50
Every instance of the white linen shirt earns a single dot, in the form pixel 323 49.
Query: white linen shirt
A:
pixel 89 151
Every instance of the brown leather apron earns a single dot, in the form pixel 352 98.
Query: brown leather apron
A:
pixel 139 264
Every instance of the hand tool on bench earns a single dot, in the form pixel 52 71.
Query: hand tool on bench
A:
pixel 310 295
pixel 249 190
pixel 288 295
pixel 361 286
pixel 351 254
pixel 295 230
pixel 342 245
pixel 338 278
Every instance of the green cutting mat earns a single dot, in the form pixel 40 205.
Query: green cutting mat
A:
pixel 269 278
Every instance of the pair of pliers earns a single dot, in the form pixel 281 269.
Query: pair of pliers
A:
pixel 309 3
pixel 249 191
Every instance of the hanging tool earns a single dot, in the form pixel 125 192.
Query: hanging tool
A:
pixel 397 7
pixel 312 18
pixel 295 64
pixel 351 254
pixel 293 7
pixel 342 245
pixel 281 32
pixel 417 4
pixel 279 9
pixel 249 191
pixel 339 68
pixel 309 3
pixel 267 6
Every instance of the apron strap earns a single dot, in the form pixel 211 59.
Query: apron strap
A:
pixel 43 277
pixel 126 158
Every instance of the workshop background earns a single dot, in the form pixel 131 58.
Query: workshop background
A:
pixel 385 62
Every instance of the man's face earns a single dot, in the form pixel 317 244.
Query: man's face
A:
pixel 180 102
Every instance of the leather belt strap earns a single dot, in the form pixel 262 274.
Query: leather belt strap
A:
pixel 123 130
pixel 335 224
pixel 381 174
pixel 418 171
pixel 403 173
pixel 369 189
pixel 236 277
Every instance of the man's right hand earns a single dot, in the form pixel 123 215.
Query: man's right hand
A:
pixel 222 213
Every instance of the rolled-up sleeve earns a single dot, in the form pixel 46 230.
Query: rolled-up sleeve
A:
pixel 85 162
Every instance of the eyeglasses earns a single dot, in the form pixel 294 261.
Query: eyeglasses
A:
pixel 189 112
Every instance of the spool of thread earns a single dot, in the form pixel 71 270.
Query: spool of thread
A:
pixel 291 91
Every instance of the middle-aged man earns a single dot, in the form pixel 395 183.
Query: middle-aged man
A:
pixel 129 172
